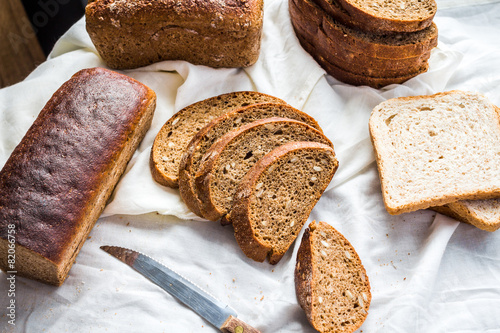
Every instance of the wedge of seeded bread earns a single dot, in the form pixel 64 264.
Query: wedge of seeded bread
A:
pixel 174 136
pixel 330 281
pixel 357 63
pixel 391 15
pixel 204 139
pixel 435 150
pixel 232 155
pixel 353 78
pixel 276 196
pixel 387 46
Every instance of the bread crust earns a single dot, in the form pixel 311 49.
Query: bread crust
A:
pixel 170 140
pixel 438 198
pixel 210 161
pixel 372 20
pixel 394 46
pixel 68 164
pixel 306 278
pixel 239 216
pixel 133 34
pixel 208 134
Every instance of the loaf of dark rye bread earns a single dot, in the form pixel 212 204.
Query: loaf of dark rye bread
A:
pixel 173 138
pixel 387 46
pixel 204 139
pixel 232 155
pixel 57 180
pixel 330 281
pixel 357 63
pixel 353 78
pixel 130 34
pixel 436 149
pixel 276 196
pixel 391 15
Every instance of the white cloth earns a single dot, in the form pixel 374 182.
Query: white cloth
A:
pixel 428 273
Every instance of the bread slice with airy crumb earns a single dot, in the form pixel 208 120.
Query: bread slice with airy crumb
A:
pixel 204 139
pixel 330 281
pixel 391 15
pixel 174 136
pixel 435 150
pixel 232 155
pixel 276 196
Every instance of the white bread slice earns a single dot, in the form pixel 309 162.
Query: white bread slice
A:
pixel 435 150
pixel 330 281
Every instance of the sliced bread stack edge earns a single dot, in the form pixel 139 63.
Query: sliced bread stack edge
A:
pixel 352 47
pixel 210 148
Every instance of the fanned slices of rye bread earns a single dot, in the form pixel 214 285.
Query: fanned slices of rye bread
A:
pixel 435 150
pixel 233 154
pixel 384 46
pixel 174 136
pixel 330 281
pixel 391 15
pixel 204 139
pixel 276 196
pixel 353 78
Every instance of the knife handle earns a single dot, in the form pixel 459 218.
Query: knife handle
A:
pixel 234 325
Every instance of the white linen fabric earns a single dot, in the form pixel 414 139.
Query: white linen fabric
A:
pixel 428 273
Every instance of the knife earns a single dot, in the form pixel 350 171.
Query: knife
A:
pixel 204 304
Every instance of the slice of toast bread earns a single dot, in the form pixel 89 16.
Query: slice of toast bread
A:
pixel 391 15
pixel 276 196
pixel 483 214
pixel 204 139
pixel 330 281
pixel 232 155
pixel 173 138
pixel 435 150
pixel 353 78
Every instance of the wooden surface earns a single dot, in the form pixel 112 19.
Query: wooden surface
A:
pixel 20 51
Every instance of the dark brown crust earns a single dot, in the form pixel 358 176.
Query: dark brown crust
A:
pixel 304 274
pixel 169 179
pixel 133 34
pixel 310 15
pixel 372 22
pixel 69 161
pixel 239 217
pixel 204 174
pixel 186 174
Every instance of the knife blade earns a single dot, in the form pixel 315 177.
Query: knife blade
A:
pixel 215 312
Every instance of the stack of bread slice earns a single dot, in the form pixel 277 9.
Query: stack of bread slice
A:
pixel 250 160
pixel 374 43
pixel 442 152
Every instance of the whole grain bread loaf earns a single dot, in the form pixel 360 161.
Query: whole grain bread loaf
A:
pixel 435 150
pixel 391 15
pixel 173 138
pixel 130 34
pixel 330 281
pixel 232 155
pixel 276 196
pixel 204 139
pixel 57 180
